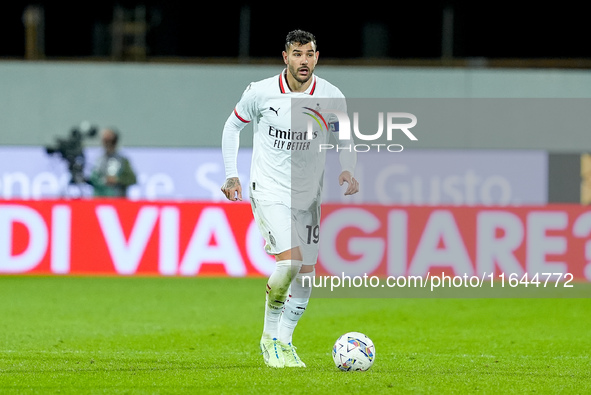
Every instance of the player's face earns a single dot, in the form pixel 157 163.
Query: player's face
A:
pixel 301 61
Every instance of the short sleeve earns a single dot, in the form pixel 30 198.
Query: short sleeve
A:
pixel 246 108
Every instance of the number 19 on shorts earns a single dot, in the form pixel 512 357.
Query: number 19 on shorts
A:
pixel 313 234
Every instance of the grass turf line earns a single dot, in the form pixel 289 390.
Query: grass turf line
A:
pixel 189 335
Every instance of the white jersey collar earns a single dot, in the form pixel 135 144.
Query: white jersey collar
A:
pixel 284 86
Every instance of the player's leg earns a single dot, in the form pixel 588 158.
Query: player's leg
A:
pixel 306 223
pixel 274 222
pixel 301 285
pixel 294 308
pixel 297 302
pixel 287 266
pixel 278 286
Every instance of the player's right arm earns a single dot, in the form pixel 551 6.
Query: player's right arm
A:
pixel 232 189
pixel 237 120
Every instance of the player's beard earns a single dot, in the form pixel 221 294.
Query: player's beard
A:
pixel 295 74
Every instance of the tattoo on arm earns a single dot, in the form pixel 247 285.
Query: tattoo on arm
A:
pixel 232 182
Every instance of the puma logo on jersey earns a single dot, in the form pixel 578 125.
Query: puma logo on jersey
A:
pixel 274 110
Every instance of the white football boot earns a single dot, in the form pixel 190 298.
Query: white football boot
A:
pixel 272 353
pixel 290 356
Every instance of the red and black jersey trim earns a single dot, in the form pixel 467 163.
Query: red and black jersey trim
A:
pixel 283 89
pixel 239 117
pixel 313 87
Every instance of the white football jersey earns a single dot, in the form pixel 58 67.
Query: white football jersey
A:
pixel 288 127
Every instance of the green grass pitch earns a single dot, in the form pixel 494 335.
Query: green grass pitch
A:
pixel 110 335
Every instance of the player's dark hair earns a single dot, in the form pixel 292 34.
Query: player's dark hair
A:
pixel 299 36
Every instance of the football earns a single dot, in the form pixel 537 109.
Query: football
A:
pixel 354 351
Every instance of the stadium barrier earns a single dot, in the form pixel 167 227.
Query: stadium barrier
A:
pixel 119 237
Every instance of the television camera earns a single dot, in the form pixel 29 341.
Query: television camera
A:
pixel 72 151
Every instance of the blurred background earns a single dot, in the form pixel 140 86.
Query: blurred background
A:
pixel 499 33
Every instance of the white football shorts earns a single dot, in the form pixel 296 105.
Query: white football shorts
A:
pixel 284 228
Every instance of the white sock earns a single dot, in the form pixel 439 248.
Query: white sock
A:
pixel 277 292
pixel 295 306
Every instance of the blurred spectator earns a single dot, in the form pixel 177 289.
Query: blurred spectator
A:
pixel 112 174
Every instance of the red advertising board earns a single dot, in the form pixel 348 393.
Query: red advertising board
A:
pixel 117 237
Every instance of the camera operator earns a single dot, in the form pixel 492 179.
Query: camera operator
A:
pixel 112 174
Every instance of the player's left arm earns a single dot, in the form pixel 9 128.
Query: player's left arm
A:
pixel 353 184
pixel 347 155
pixel 348 160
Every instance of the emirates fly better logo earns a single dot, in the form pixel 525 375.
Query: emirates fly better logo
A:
pixel 338 122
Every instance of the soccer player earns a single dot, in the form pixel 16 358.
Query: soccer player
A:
pixel 285 185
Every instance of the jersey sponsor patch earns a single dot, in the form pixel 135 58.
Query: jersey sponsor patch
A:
pixel 333 126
